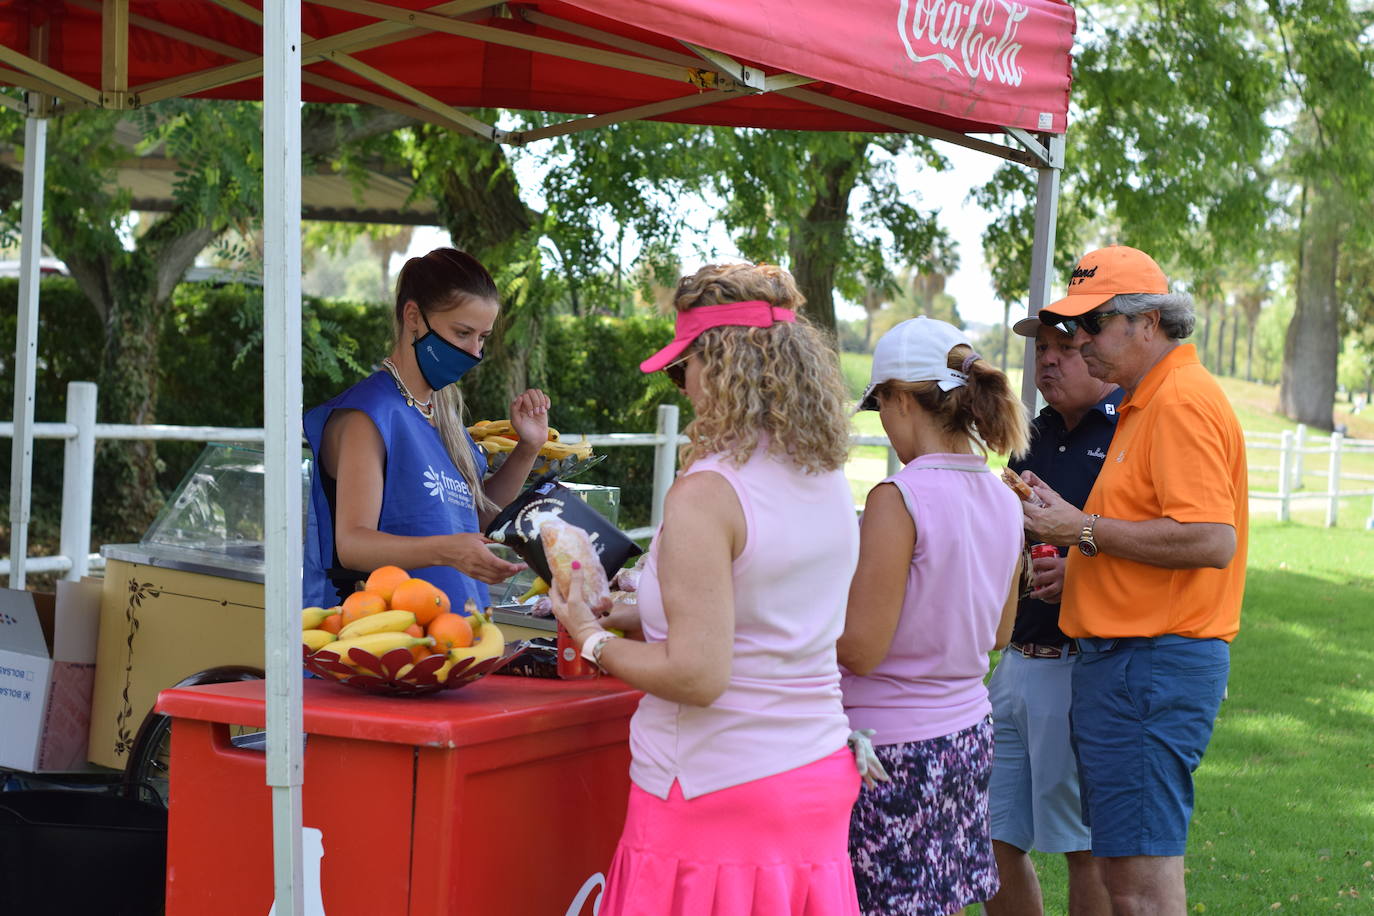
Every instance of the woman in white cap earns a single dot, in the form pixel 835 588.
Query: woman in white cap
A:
pixel 741 781
pixel 935 591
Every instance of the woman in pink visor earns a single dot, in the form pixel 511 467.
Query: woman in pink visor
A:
pixel 742 781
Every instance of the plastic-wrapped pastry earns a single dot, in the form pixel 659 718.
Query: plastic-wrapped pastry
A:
pixel 570 553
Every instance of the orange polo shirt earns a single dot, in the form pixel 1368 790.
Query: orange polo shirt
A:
pixel 1178 452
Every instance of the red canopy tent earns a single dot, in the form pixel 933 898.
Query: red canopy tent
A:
pixel 948 69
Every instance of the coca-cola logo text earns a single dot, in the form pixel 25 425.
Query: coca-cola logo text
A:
pixel 971 39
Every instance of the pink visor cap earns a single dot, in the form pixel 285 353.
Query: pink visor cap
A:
pixel 691 322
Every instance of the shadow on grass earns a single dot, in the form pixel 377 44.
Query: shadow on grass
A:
pixel 1285 794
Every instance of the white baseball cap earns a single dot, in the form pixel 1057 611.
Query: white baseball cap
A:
pixel 917 350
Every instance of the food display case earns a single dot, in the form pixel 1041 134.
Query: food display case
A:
pixel 187 597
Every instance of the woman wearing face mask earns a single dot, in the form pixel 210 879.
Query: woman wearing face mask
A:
pixel 397 479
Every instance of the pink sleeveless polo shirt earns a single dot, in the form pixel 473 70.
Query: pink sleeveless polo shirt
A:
pixel 782 707
pixel 968 537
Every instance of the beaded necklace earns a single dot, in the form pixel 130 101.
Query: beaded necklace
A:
pixel 426 408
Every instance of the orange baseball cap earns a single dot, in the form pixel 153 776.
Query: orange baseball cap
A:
pixel 1102 274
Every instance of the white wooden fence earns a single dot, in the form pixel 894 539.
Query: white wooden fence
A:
pixel 81 432
pixel 1294 471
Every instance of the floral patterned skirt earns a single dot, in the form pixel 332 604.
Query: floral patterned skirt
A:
pixel 920 843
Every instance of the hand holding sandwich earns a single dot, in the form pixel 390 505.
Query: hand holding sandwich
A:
pixel 1058 521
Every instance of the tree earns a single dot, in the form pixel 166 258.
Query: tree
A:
pixel 1197 124
pixel 1331 155
pixel 826 204
pixel 217 146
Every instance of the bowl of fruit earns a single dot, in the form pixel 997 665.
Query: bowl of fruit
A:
pixel 398 636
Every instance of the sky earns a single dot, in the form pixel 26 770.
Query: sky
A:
pixel 945 191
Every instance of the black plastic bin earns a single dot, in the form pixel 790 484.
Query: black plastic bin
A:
pixel 64 853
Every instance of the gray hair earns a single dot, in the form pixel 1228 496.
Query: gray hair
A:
pixel 1176 314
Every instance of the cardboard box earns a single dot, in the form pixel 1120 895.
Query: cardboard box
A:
pixel 157 627
pixel 47 670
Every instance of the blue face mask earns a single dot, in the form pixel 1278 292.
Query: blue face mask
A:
pixel 441 363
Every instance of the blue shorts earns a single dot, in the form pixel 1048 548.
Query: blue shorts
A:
pixel 1033 797
pixel 1142 714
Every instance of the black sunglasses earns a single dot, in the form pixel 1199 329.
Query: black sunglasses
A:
pixel 1091 322
pixel 677 372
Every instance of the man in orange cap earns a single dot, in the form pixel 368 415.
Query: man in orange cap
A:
pixel 1153 592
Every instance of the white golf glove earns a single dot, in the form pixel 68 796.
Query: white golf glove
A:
pixel 866 758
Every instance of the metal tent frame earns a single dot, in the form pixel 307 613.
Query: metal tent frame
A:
pixel 706 78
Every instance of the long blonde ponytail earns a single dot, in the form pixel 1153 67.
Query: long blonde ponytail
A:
pixel 448 418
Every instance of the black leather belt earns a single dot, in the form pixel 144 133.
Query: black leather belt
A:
pixel 1033 650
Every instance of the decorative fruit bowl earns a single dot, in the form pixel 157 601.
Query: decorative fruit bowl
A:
pixel 398 674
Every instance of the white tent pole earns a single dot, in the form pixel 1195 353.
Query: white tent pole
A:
pixel 1042 254
pixel 281 382
pixel 26 343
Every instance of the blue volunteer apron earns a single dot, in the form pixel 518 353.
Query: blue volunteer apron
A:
pixel 422 494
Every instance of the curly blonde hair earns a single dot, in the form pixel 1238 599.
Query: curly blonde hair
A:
pixel 780 383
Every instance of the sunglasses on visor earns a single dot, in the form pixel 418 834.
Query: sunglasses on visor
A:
pixel 1091 322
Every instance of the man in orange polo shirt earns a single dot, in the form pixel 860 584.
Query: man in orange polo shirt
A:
pixel 1153 592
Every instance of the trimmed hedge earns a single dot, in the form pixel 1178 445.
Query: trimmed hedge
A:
pixel 209 378
pixel 596 387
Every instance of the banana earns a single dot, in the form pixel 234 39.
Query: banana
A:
pixel 484 428
pixel 553 434
pixel 312 617
pixel 441 673
pixel 502 443
pixel 384 622
pixel 316 639
pixel 473 616
pixel 538 588
pixel 378 643
pixel 491 645
pixel 556 451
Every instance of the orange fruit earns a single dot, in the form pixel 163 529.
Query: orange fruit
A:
pixel 361 604
pixel 419 652
pixel 384 580
pixel 334 622
pixel 450 631
pixel 421 598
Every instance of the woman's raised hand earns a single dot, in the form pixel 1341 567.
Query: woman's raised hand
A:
pixel 529 415
pixel 468 553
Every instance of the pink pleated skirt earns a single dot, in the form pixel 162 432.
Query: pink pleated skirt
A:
pixel 777 846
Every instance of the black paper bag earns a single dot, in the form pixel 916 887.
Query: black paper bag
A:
pixel 518 527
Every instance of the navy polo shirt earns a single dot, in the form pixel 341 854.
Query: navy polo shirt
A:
pixel 1069 461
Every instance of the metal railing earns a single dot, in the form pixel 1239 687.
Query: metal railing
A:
pixel 81 432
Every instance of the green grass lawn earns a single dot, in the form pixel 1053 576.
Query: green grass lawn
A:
pixel 1285 795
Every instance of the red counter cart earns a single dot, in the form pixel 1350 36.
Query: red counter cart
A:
pixel 505 797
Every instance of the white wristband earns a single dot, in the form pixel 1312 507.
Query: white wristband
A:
pixel 591 649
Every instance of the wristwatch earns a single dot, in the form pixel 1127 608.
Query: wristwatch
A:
pixel 1086 544
pixel 591 649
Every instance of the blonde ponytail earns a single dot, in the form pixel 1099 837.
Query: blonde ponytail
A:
pixel 448 419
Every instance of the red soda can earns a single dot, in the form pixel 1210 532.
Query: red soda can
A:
pixel 571 664
pixel 1039 551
